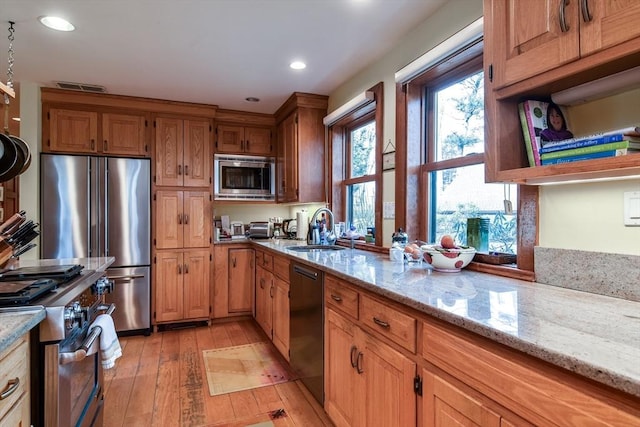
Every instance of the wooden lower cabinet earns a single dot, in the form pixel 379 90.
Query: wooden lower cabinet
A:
pixel 14 383
pixel 280 316
pixel 182 285
pixel 367 382
pixel 233 284
pixel 264 292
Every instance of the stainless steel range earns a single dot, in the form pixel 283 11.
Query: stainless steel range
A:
pixel 66 377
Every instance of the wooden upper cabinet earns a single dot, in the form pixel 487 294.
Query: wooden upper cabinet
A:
pixel 73 131
pixel 532 37
pixel 124 134
pixel 233 139
pixel 182 219
pixel 182 150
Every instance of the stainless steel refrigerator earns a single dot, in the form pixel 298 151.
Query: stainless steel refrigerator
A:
pixel 100 206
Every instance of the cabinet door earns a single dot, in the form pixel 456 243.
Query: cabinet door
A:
pixel 73 131
pixel 169 219
pixel 195 273
pixel 444 404
pixel 264 283
pixel 230 139
pixel 123 134
pixel 257 141
pixel 290 159
pixel 168 286
pixel 197 163
pixel 169 151
pixel 240 280
pixel 527 37
pixel 386 396
pixel 613 22
pixel 196 219
pixel 281 316
pixel 340 352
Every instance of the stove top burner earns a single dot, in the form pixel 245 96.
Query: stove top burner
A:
pixel 24 292
pixel 60 273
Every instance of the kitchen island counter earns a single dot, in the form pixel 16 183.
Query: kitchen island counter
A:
pixel 592 335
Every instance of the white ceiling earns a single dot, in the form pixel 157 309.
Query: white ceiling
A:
pixel 206 51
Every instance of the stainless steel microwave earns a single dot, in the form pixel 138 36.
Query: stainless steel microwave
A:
pixel 244 177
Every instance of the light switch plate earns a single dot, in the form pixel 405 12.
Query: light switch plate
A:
pixel 632 208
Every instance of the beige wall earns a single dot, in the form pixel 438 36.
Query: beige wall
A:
pixel 572 216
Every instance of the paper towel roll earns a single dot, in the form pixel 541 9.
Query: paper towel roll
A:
pixel 302 223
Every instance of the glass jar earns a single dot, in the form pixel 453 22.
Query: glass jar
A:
pixel 478 233
pixel 396 252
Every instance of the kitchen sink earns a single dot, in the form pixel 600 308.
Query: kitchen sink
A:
pixel 315 248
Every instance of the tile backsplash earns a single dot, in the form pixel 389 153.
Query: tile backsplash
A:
pixel 601 273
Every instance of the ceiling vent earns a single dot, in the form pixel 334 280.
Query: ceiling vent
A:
pixel 82 87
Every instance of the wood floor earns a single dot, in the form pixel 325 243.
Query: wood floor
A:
pixel 161 381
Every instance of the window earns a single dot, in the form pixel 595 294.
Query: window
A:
pixel 440 172
pixel 455 164
pixel 356 165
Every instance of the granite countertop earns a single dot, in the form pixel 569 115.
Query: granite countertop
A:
pixel 16 321
pixel 592 335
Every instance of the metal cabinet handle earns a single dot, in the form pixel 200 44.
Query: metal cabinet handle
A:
pixel 179 268
pixel 186 219
pixel 105 145
pixel 271 291
pixel 262 283
pixel 247 147
pixel 359 361
pixel 12 386
pixel 381 323
pixel 352 355
pixel 179 218
pixel 93 144
pixel 336 298
pixel 179 169
pixel 233 262
pixel 564 27
pixel 186 268
pixel 586 13
pixel 186 169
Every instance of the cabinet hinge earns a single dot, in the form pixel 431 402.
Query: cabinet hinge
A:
pixel 210 128
pixel 154 241
pixel 210 310
pixel 210 257
pixel 146 148
pixel 296 119
pixel 155 261
pixel 154 194
pixel 146 123
pixel 154 179
pixel 154 315
pixel 490 72
pixel 417 385
pixel 48 116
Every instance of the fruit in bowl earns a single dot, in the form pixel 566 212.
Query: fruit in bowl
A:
pixel 447 256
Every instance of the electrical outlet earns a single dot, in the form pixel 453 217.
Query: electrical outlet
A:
pixel 389 210
pixel 632 208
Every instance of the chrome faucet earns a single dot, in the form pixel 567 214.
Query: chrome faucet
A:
pixel 330 237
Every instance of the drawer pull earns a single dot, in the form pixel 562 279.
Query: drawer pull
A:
pixel 352 355
pixel 336 298
pixel 381 323
pixel 12 386
pixel 564 27
pixel 359 362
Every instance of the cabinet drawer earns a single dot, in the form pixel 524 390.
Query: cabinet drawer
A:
pixel 342 298
pixel 264 260
pixel 13 367
pixel 388 322
pixel 281 268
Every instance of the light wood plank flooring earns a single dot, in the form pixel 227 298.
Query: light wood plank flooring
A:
pixel 161 381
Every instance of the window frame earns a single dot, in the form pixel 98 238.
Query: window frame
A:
pixel 413 167
pixel 339 167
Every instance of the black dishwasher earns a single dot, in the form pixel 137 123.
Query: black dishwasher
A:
pixel 306 327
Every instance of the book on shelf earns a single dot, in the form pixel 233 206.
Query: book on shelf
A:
pixel 591 149
pixel 590 156
pixel 533 119
pixel 624 134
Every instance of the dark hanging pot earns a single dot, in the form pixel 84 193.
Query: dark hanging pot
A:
pixel 11 159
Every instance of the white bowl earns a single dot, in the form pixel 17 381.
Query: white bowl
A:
pixel 447 260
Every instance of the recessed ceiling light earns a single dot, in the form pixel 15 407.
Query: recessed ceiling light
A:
pixel 298 65
pixel 252 99
pixel 56 23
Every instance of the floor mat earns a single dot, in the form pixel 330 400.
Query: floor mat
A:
pixel 243 367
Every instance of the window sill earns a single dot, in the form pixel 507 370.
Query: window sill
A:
pixel 507 270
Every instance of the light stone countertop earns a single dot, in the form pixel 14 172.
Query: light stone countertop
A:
pixel 592 335
pixel 16 321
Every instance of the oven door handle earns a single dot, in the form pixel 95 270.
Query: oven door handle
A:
pixel 82 352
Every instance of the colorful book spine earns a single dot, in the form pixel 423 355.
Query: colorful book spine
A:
pixel 595 139
pixel 527 136
pixel 588 156
pixel 536 115
pixel 590 149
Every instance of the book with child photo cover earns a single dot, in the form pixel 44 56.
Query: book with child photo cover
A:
pixel 542 122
